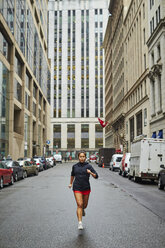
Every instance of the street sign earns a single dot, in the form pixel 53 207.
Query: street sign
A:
pixel 48 142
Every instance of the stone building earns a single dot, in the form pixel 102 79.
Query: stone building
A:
pixel 76 34
pixel 114 76
pixel 136 96
pixel 24 78
pixel 126 73
pixel 156 46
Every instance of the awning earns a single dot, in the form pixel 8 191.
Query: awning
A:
pixel 160 134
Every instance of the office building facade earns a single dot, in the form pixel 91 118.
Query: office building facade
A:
pixel 128 89
pixel 76 31
pixel 156 46
pixel 24 78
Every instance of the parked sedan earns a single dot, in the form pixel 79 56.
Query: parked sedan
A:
pixel 18 171
pixel 38 163
pixel 29 168
pixel 6 175
pixel 161 178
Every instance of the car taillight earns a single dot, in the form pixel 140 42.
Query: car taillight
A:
pixel 37 163
pixel 125 164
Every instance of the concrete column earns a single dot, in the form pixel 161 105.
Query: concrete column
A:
pixel 64 135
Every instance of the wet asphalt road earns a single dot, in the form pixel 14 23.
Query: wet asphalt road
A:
pixel 40 212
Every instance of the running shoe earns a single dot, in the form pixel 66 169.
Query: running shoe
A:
pixel 80 226
pixel 83 213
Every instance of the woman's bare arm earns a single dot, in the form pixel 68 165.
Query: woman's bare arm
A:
pixel 71 181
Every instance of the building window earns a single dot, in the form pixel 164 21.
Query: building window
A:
pixel 159 94
pixel 159 51
pixel 145 117
pixel 145 65
pixel 18 91
pixel 27 82
pixel 144 36
pixel 56 136
pixel 70 136
pixel 18 67
pixel 4 46
pixel 4 110
pixel 84 136
pixel 34 109
pixel 98 136
pixel 143 11
pixel 152 59
pixel 153 24
pixel 159 14
pixel 131 129
pixel 27 101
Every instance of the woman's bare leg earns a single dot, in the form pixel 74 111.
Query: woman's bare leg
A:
pixel 85 201
pixel 79 201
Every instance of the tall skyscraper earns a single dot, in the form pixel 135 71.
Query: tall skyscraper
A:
pixel 76 32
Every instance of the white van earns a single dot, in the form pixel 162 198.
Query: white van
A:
pixel 115 162
pixel 58 158
pixel 146 157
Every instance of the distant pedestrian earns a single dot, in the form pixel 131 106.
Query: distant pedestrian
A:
pixel 80 178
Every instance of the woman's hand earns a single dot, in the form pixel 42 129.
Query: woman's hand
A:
pixel 88 171
pixel 70 185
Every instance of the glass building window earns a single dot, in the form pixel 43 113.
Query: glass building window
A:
pixel 35 91
pixel 20 24
pixel 34 109
pixel 139 123
pixel 131 129
pixel 56 136
pixel 7 11
pixel 27 101
pixel 4 110
pixel 17 90
pixel 18 67
pixel 98 136
pixel 27 82
pixel 70 136
pixel 4 46
pixel 84 136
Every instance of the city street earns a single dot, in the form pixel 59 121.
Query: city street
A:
pixel 40 212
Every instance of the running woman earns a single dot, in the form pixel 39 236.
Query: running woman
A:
pixel 80 178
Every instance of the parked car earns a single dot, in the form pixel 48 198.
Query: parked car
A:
pixel 161 177
pixel 18 171
pixel 38 163
pixel 125 164
pixel 92 158
pixel 58 158
pixel 6 175
pixel 50 161
pixel 115 162
pixel 45 163
pixel 29 168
